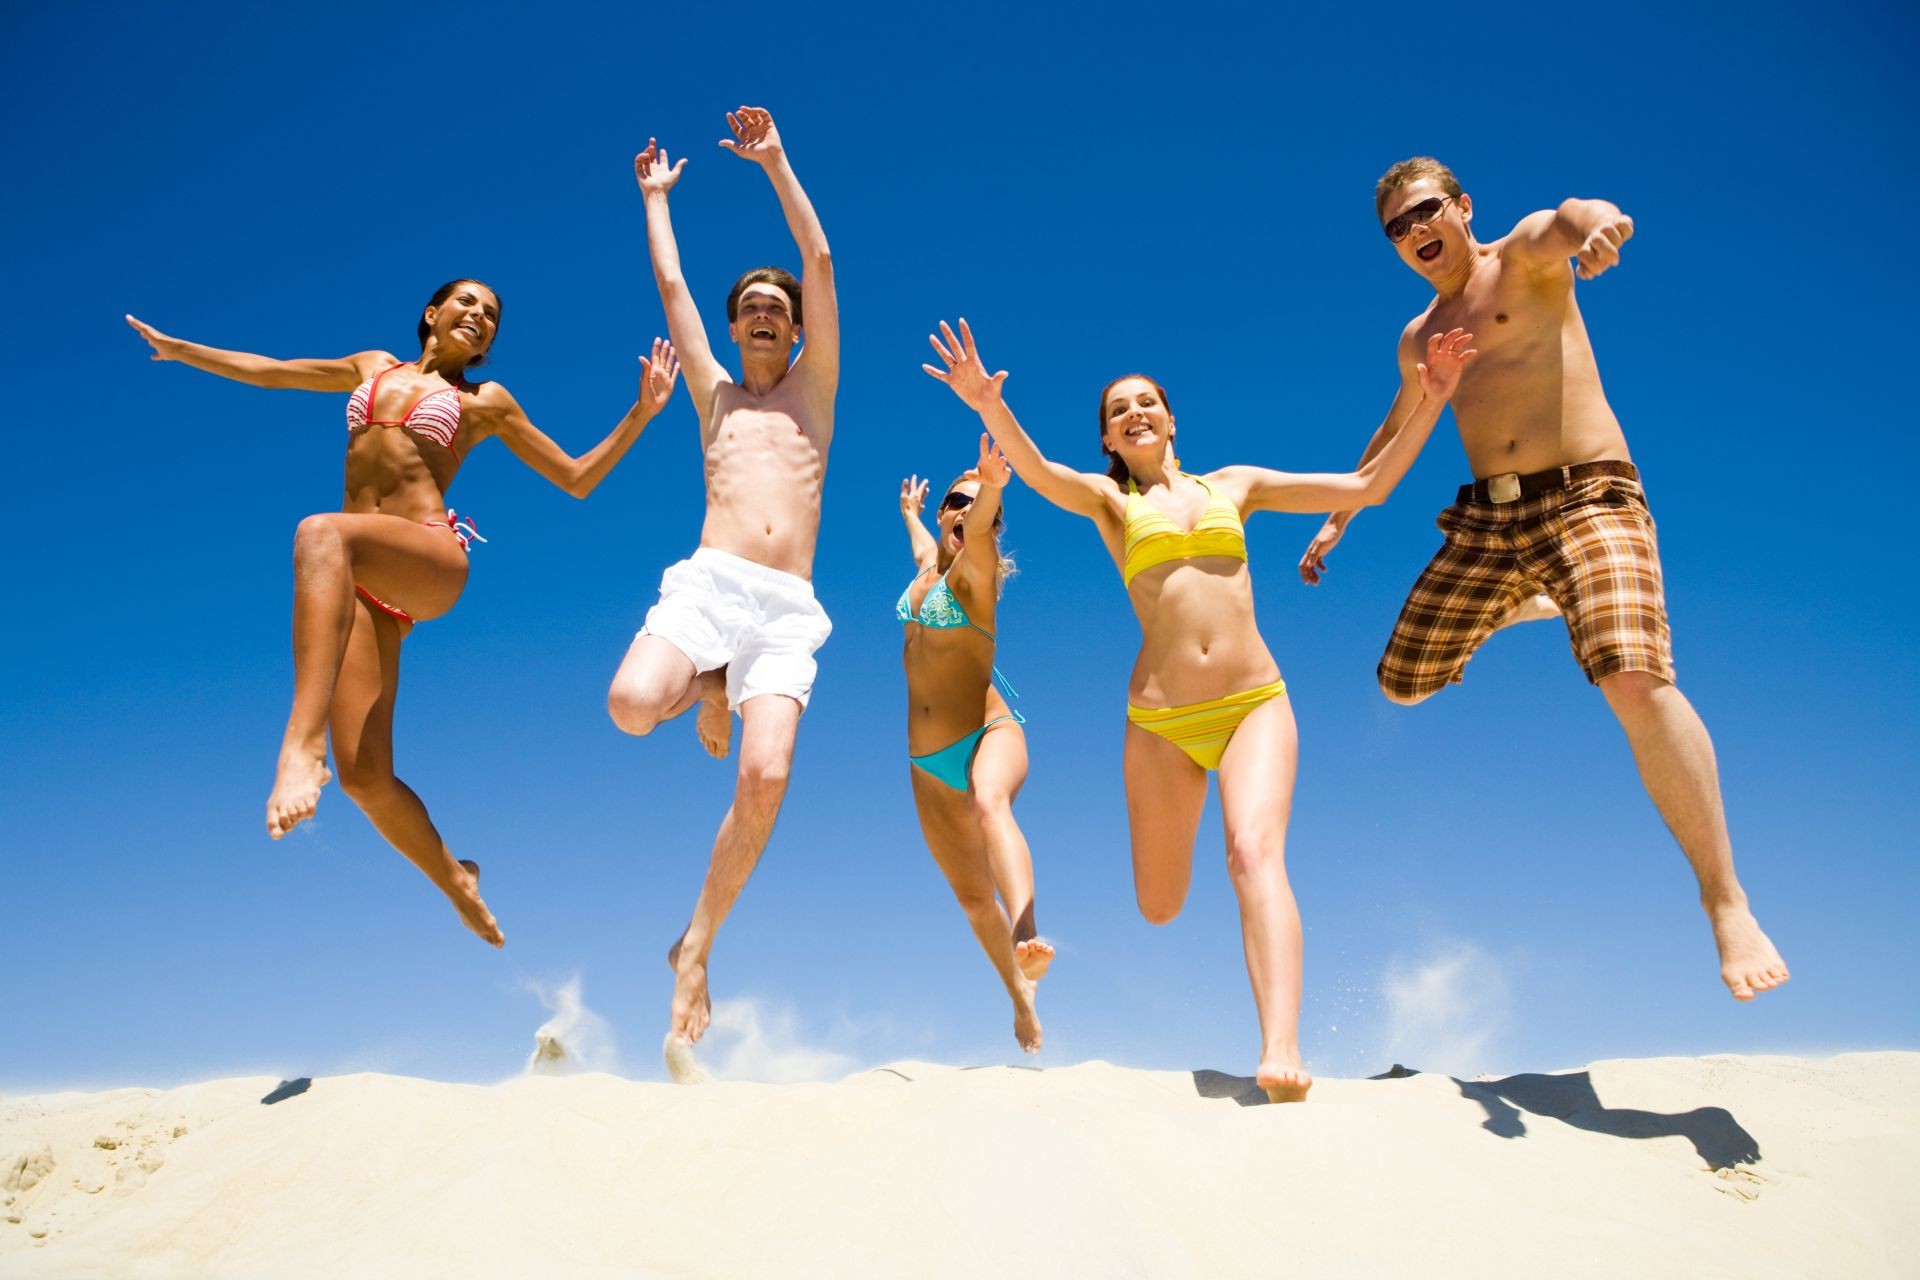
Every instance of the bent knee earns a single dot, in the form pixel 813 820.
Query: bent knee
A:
pixel 990 805
pixel 631 709
pixel 364 782
pixel 1254 855
pixel 317 536
pixel 1632 688
pixel 1402 691
pixel 1158 910
pixel 765 777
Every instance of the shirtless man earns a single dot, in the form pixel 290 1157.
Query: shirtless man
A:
pixel 1555 521
pixel 737 625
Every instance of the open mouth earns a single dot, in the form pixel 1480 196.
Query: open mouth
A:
pixel 761 331
pixel 1429 251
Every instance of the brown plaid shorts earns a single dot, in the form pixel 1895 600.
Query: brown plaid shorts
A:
pixel 1589 546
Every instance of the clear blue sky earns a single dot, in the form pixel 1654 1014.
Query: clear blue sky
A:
pixel 1098 193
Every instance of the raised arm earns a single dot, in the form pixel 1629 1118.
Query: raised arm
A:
pixel 656 178
pixel 500 414
pixel 341 374
pixel 913 499
pixel 980 556
pixel 967 377
pixel 1590 230
pixel 1368 485
pixel 756 139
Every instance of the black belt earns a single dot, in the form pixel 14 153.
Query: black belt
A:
pixel 1512 487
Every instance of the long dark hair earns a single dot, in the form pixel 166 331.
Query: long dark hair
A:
pixel 444 292
pixel 1116 466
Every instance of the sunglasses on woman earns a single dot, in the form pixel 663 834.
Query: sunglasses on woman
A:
pixel 956 501
pixel 1400 225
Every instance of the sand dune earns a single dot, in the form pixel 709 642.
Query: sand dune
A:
pixel 1718 1166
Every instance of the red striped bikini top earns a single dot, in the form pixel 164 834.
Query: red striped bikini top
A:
pixel 435 415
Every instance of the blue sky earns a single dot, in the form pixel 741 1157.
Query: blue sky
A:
pixel 1484 884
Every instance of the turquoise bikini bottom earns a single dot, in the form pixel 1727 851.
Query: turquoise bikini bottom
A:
pixel 954 765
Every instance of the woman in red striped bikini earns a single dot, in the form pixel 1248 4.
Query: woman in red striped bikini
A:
pixel 396 553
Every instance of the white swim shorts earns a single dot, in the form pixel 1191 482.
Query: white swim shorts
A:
pixel 762 625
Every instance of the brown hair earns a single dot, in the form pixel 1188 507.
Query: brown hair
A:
pixel 783 280
pixel 1116 466
pixel 1413 170
pixel 444 292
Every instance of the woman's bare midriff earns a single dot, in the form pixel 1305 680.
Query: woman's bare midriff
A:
pixel 1200 639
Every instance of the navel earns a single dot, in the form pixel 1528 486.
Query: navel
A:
pixel 1501 318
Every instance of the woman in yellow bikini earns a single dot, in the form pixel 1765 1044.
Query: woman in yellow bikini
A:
pixel 964 743
pixel 1205 694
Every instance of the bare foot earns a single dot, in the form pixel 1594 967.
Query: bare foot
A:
pixel 1537 607
pixel 1026 1019
pixel 1033 956
pixel 714 723
pixel 1748 962
pixel 682 1066
pixel 1284 1079
pixel 296 790
pixel 464 893
pixel 692 1009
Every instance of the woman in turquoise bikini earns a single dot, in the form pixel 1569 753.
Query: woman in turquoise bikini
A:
pixel 968 753
pixel 1206 695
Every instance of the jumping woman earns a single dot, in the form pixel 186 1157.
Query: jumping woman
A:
pixel 965 745
pixel 1205 694
pixel 395 553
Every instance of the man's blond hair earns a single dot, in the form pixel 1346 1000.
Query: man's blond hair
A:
pixel 1412 171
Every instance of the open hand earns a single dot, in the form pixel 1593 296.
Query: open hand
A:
pixel 913 497
pixel 651 170
pixel 754 137
pixel 164 348
pixel 1448 354
pixel 969 379
pixel 993 470
pixel 1314 563
pixel 657 375
pixel 1602 248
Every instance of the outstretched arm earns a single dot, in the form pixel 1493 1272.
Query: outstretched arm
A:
pixel 756 139
pixel 504 417
pixel 913 498
pixel 656 177
pixel 1590 230
pixel 1087 495
pixel 341 374
pixel 1368 485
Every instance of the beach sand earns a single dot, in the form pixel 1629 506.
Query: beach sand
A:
pixel 1695 1167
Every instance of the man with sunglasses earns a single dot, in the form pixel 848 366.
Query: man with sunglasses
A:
pixel 737 624
pixel 1555 522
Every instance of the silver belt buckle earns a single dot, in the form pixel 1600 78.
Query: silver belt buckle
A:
pixel 1504 487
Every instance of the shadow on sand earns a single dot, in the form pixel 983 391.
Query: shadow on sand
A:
pixel 1570 1099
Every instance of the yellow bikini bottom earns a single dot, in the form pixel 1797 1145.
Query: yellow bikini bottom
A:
pixel 1203 729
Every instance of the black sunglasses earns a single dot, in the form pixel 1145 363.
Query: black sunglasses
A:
pixel 956 501
pixel 1400 225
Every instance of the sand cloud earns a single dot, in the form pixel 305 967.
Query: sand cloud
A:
pixel 751 1039
pixel 1447 1011
pixel 575 1038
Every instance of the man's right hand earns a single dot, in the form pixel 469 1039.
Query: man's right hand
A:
pixel 654 174
pixel 1314 563
pixel 969 379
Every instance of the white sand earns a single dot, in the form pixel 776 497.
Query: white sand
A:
pixel 920 1170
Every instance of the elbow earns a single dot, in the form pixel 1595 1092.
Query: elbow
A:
pixel 820 257
pixel 1372 492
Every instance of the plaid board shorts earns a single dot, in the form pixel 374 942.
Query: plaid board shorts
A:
pixel 1589 546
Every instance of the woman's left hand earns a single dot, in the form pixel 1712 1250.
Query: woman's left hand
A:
pixel 657 376
pixel 993 470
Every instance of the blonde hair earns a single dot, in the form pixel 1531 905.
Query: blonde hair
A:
pixel 1007 567
pixel 1412 170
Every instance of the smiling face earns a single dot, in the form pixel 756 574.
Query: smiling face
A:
pixel 1136 424
pixel 763 321
pixel 464 321
pixel 1439 245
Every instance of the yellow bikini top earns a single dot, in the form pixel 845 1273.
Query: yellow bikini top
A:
pixel 1153 538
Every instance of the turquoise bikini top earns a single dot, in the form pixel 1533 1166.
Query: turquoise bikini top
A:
pixel 941 611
